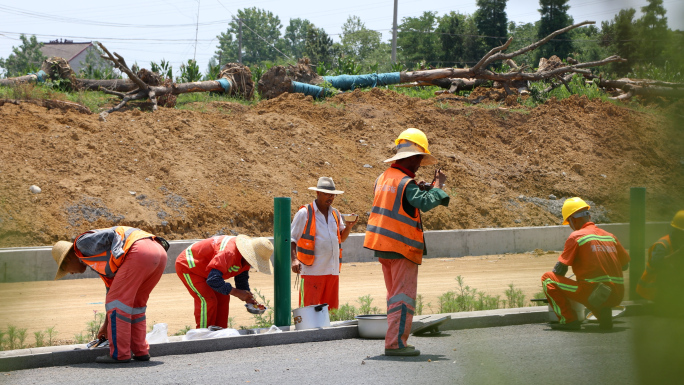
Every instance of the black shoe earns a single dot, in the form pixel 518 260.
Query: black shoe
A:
pixel 605 318
pixel 109 360
pixel 574 325
pixel 146 357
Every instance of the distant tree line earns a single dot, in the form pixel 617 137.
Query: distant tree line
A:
pixel 431 40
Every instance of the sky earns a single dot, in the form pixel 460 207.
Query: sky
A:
pixel 177 30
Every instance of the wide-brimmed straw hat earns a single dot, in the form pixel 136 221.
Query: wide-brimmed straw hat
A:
pixel 59 252
pixel 256 251
pixel 326 185
pixel 406 148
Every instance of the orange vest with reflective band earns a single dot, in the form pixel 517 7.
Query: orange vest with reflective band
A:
pixel 305 245
pixel 105 263
pixel 646 286
pixel 389 227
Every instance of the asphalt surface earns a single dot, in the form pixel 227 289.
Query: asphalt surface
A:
pixel 522 354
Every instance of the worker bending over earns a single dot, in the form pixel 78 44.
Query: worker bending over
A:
pixel 205 265
pixel 597 259
pixel 130 261
pixel 662 280
pixel 317 233
pixel 395 232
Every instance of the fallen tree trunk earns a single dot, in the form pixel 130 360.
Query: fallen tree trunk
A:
pixel 272 85
pixel 120 85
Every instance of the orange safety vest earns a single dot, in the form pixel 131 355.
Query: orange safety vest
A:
pixel 646 286
pixel 389 227
pixel 107 263
pixel 305 245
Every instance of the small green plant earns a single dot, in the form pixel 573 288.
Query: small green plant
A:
pixel 539 295
pixel 263 320
pixel 343 313
pixel 515 297
pixel 419 305
pixel 366 308
pixel 81 338
pixel 21 336
pixel 189 72
pixel 51 333
pixel 164 69
pixel 40 338
pixel 183 331
pixel 231 322
pixel 12 337
pixel 95 325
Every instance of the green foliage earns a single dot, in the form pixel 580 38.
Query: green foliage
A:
pixel 459 41
pixel 262 320
pixel 416 40
pixel 617 36
pixel 554 16
pixel 295 37
pixel 347 66
pixel 343 313
pixel 668 72
pixel 164 69
pixel 81 338
pixel 95 324
pixel 523 34
pixel 515 297
pixel 465 298
pixel 416 92
pixel 183 331
pixel 491 20
pixel 213 70
pixel 420 306
pixel 51 333
pixel 189 72
pixel 258 71
pixel 318 46
pixel 358 42
pixel 12 334
pixel 95 67
pixel 365 303
pixel 3 340
pixel 21 336
pixel 577 85
pixel 539 295
pixel 24 59
pixel 255 49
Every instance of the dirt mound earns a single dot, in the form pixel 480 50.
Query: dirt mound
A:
pixel 189 174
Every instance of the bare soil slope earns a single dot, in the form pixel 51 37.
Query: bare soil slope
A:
pixel 192 174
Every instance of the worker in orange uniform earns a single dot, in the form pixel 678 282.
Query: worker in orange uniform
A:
pixel 317 232
pixel 395 232
pixel 665 264
pixel 130 261
pixel 205 265
pixel 597 259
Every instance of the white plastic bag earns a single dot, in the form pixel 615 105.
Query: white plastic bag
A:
pixel 158 335
pixel 204 333
pixel 273 329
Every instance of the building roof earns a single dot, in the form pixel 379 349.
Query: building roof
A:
pixel 66 49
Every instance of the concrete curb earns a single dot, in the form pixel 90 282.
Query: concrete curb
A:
pixel 78 354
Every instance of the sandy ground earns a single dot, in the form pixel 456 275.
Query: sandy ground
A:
pixel 69 305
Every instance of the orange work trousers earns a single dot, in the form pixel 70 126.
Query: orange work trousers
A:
pixel 320 289
pixel 559 290
pixel 401 280
pixel 127 298
pixel 211 307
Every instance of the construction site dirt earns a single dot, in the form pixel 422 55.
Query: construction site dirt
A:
pixel 185 174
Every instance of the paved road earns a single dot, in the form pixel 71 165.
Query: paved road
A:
pixel 524 354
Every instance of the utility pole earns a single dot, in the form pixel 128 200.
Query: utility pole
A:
pixel 194 56
pixel 394 33
pixel 239 40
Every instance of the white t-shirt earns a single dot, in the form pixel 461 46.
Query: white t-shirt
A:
pixel 326 246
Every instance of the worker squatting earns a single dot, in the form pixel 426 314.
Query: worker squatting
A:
pixel 131 261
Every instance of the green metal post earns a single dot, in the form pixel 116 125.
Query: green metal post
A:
pixel 637 237
pixel 281 275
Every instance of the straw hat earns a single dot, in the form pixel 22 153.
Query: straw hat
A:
pixel 256 251
pixel 326 185
pixel 406 148
pixel 59 252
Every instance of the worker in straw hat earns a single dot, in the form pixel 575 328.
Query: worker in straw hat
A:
pixel 395 231
pixel 205 265
pixel 317 232
pixel 130 261
pixel 597 259
pixel 661 281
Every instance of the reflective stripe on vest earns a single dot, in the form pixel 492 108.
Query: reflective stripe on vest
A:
pixel 646 286
pixel 389 227
pixel 305 245
pixel 108 262
pixel 607 278
pixel 189 258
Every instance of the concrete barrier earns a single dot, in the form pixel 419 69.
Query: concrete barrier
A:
pixel 23 264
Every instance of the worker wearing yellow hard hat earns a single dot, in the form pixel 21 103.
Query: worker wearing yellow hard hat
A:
pixel 661 281
pixel 395 231
pixel 597 259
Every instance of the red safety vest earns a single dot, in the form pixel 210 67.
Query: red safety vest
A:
pixel 105 263
pixel 305 245
pixel 646 286
pixel 390 228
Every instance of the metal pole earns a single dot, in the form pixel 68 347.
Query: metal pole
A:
pixel 394 33
pixel 281 275
pixel 637 237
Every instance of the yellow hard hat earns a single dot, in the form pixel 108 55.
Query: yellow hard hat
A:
pixel 416 136
pixel 678 220
pixel 571 206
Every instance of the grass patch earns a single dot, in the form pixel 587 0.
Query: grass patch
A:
pixel 416 92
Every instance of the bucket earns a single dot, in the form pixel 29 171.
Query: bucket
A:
pixel 577 307
pixel 372 325
pixel 311 317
